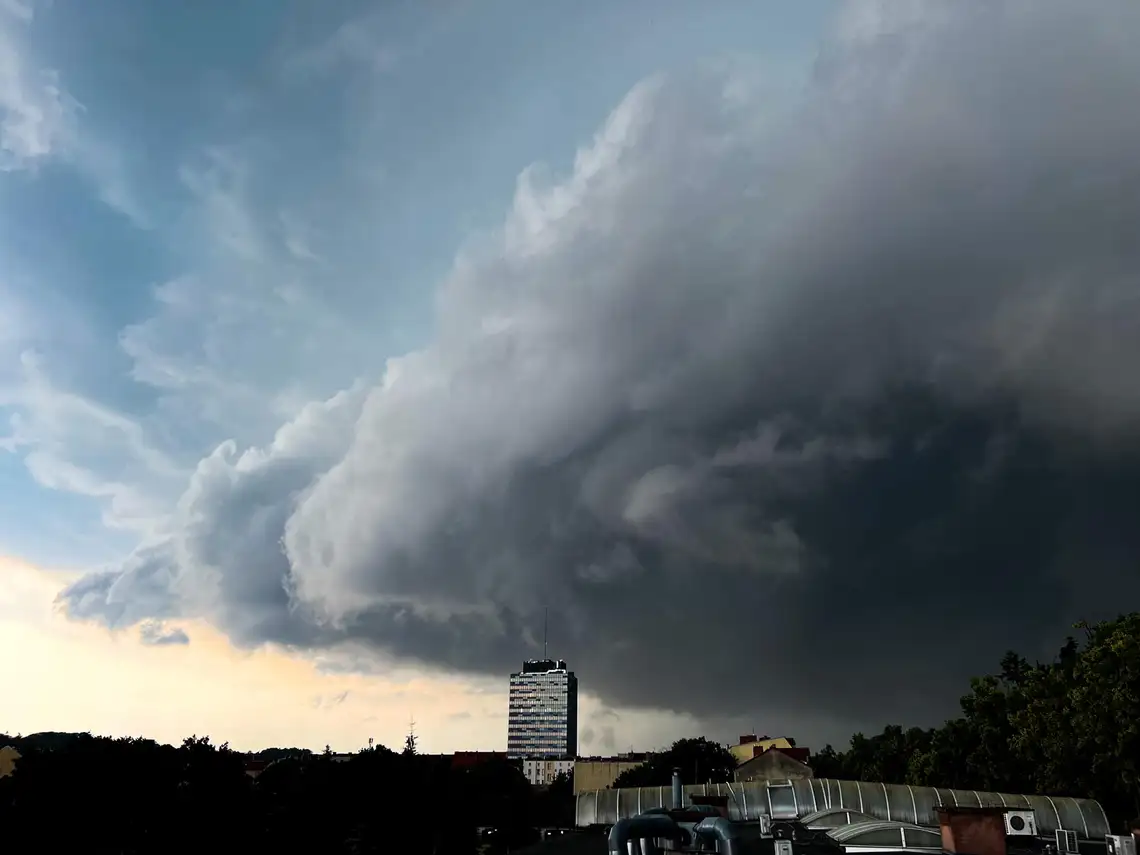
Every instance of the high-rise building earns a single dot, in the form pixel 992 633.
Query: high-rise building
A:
pixel 542 718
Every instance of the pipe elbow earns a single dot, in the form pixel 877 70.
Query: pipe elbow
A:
pixel 645 825
pixel 724 832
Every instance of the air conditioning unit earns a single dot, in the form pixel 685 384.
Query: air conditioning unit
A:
pixel 1120 844
pixel 1067 842
pixel 1020 823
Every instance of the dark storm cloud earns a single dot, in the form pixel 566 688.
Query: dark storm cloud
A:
pixel 791 410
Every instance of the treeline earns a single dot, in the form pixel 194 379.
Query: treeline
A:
pixel 77 792
pixel 698 760
pixel 1067 727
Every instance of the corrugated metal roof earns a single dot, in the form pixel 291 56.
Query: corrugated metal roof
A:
pixel 858 829
pixel 917 805
pixel 834 817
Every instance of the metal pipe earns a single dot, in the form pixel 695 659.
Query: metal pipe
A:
pixel 678 791
pixel 640 827
pixel 721 830
pixel 707 810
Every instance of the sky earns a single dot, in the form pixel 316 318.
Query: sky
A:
pixel 781 351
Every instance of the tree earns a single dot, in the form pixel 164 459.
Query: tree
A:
pixel 827 763
pixel 1081 720
pixel 554 804
pixel 1067 727
pixel 700 761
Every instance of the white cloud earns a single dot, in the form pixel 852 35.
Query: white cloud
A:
pixel 295 238
pixel 221 187
pixel 220 555
pixel 356 43
pixel 36 114
pixel 78 445
pixel 40 120
pixel 18 9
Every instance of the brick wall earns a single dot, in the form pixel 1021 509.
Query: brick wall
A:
pixel 972 831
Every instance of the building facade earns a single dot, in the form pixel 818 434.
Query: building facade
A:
pixel 542 716
pixel 542 771
pixel 775 764
pixel 751 746
pixel 597 773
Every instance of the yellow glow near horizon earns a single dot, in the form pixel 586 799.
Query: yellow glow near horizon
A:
pixel 62 675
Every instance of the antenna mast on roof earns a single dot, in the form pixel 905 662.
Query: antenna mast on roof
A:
pixel 545 622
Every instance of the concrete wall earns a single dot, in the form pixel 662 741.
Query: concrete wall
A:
pixel 977 831
pixel 599 774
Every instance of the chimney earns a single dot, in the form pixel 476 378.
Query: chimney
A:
pixel 972 831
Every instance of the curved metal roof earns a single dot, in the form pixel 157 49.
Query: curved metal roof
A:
pixel 858 829
pixel 834 818
pixel 902 835
pixel 799 798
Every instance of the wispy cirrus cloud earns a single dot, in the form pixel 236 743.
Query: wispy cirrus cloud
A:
pixel 36 113
pixel 327 702
pixel 357 43
pixel 78 445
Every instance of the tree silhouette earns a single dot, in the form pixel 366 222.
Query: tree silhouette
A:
pixel 1067 727
pixel 699 760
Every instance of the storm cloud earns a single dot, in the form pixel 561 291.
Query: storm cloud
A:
pixel 781 405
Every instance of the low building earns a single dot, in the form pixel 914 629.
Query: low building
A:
pixel 775 764
pixel 751 745
pixel 598 773
pixel 541 772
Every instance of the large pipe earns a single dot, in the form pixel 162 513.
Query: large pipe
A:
pixel 639 828
pixel 719 829
pixel 678 791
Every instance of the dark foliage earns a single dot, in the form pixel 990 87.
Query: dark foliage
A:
pixel 700 762
pixel 1068 727
pixel 102 795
